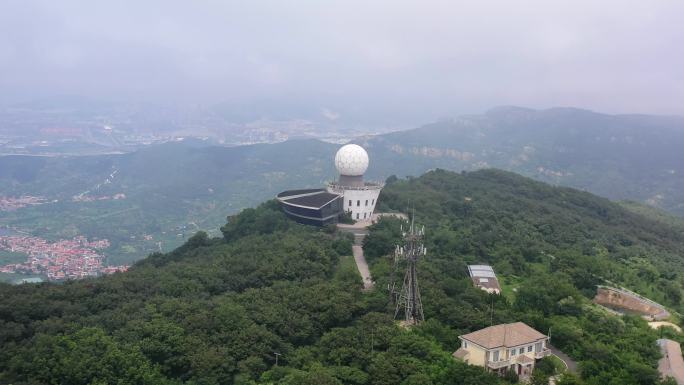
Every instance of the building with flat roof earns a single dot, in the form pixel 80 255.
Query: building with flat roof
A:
pixel 348 194
pixel 312 207
pixel 483 277
pixel 504 347
pixel 28 280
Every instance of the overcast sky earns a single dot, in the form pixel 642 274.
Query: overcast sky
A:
pixel 423 59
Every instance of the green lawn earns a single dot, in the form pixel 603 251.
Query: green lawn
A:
pixel 11 278
pixel 509 285
pixel 347 268
pixel 7 257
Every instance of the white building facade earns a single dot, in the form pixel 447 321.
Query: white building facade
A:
pixel 359 197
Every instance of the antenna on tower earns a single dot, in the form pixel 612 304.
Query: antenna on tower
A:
pixel 408 299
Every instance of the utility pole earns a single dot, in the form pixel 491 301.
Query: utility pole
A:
pixel 491 314
pixel 408 299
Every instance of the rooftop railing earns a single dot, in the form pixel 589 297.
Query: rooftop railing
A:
pixel 366 186
pixel 498 364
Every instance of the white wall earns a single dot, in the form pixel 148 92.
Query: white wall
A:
pixel 358 205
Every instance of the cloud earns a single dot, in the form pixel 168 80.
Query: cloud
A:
pixel 329 114
pixel 402 59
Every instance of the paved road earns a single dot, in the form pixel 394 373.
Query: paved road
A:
pixel 359 230
pixel 361 264
pixel 671 364
pixel 569 362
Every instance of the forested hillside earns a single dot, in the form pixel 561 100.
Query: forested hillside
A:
pixel 217 310
pixel 550 246
pixel 167 192
pixel 635 157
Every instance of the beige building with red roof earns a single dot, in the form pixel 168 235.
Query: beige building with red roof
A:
pixel 499 348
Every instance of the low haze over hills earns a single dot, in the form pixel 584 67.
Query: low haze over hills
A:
pixel 635 157
pixel 167 192
pixel 342 192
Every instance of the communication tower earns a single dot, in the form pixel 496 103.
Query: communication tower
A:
pixel 408 299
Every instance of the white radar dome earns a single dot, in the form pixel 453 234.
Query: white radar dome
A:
pixel 351 160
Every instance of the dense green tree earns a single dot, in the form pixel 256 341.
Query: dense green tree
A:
pixel 216 311
pixel 88 356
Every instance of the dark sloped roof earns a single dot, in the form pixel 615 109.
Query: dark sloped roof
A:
pixel 314 200
pixel 288 193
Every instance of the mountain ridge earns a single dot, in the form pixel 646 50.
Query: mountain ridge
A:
pixel 215 310
pixel 177 188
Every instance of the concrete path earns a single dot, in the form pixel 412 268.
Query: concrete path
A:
pixel 569 362
pixel 671 365
pixel 360 230
pixel 659 324
pixel 361 264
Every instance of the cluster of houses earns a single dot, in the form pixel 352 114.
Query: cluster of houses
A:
pixel 14 203
pixel 65 259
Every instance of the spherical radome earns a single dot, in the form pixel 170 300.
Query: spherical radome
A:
pixel 351 160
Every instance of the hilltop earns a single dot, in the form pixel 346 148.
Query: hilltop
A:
pixel 167 192
pixel 216 309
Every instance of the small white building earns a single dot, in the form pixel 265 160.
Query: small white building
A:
pixel 359 197
pixel 483 277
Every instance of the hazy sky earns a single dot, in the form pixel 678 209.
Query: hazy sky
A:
pixel 423 59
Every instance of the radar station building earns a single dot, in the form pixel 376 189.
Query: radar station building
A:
pixel 348 194
pixel 311 207
pixel 359 197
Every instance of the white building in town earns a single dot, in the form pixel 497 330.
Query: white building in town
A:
pixel 359 197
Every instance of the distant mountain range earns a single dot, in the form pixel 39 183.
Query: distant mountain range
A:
pixel 637 157
pixel 174 189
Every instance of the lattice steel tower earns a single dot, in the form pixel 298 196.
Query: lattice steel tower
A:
pixel 408 298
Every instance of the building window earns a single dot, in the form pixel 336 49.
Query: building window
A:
pixel 350 203
pixel 364 215
pixel 496 356
pixel 529 348
pixel 512 352
pixel 366 202
pixel 521 350
pixel 465 345
pixel 357 215
pixel 538 347
pixel 373 202
pixel 358 203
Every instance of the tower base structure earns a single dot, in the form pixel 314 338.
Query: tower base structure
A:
pixel 358 198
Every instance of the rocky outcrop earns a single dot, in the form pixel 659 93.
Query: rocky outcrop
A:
pixel 626 301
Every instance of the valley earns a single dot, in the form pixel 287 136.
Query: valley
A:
pixel 155 198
